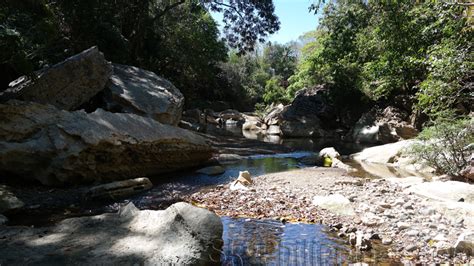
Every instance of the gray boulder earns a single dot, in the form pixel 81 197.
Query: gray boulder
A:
pixel 60 147
pixel 66 85
pixel 182 234
pixel 383 126
pixel 134 90
pixel 308 115
pixel 8 201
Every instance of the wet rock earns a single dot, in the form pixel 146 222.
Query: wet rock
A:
pixel 59 147
pixel 211 170
pixel 66 85
pixel 336 203
pixel 8 201
pixel 138 91
pixel 184 234
pixel 120 189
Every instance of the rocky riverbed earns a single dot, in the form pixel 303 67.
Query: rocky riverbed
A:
pixel 415 228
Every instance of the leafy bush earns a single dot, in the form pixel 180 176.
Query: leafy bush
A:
pixel 446 146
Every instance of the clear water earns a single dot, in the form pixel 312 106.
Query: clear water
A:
pixel 257 242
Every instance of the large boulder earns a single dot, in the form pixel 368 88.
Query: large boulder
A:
pixel 66 85
pixel 134 90
pixel 58 147
pixel 307 114
pixel 383 126
pixel 182 234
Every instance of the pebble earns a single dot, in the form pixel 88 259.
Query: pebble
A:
pixel 411 248
pixel 403 225
pixel 386 241
pixel 412 233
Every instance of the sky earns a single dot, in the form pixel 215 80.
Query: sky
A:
pixel 294 17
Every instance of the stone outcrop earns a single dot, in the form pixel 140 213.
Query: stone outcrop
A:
pixel 383 126
pixel 305 116
pixel 59 147
pixel 66 85
pixel 182 234
pixel 8 201
pixel 138 91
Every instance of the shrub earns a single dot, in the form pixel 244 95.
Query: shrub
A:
pixel 446 145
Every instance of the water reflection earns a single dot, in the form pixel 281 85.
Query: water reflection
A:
pixel 249 241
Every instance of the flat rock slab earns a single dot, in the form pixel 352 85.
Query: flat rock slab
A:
pixel 120 189
pixel 59 147
pixel 181 234
pixel 66 85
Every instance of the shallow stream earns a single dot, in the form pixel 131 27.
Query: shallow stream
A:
pixel 245 241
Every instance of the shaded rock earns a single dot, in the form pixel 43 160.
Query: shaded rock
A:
pixel 3 220
pixel 134 90
pixel 8 201
pixel 231 114
pixel 120 189
pixel 468 171
pixel 313 159
pixel 336 203
pixel 191 126
pixel 383 126
pixel 58 147
pixel 211 170
pixel 181 234
pixel 66 85
pixel 465 243
pixel 307 114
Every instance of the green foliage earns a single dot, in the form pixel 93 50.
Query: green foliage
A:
pixel 376 50
pixel 274 91
pixel 177 39
pixel 445 145
pixel 261 77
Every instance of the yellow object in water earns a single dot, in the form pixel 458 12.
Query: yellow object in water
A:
pixel 327 162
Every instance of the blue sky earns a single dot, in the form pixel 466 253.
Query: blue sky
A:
pixel 294 18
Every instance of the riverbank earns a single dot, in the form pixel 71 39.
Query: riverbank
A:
pixel 415 229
